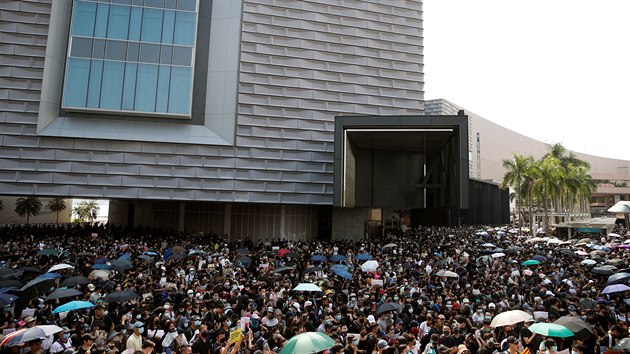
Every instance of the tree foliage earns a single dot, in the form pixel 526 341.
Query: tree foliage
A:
pixel 29 206
pixel 86 210
pixel 57 205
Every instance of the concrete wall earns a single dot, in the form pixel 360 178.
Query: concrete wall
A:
pixel 298 65
pixel 349 223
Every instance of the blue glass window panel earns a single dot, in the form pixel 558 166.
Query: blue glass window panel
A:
pixel 138 2
pixel 129 86
pixel 112 86
pixel 83 18
pixel 135 24
pixel 179 93
pixel 76 84
pixel 152 25
pixel 115 50
pixel 146 87
pixel 100 29
pixel 188 5
pixel 163 91
pixel 118 27
pixel 81 47
pixel 154 3
pixel 170 4
pixel 185 28
pixel 182 56
pixel 98 49
pixel 126 2
pixel 150 53
pixel 168 27
pixel 132 51
pixel 94 87
pixel 165 56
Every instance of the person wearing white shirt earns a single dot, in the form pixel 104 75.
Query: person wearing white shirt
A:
pixel 62 343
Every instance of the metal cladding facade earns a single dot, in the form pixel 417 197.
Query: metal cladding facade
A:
pixel 299 64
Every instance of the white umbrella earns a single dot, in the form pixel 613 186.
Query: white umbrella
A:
pixel 589 262
pixel 612 234
pixel 103 274
pixel 447 274
pixel 498 255
pixel 369 266
pixel 508 318
pixel 390 245
pixel 554 241
pixel 488 244
pixel 581 253
pixel 307 287
pixel 535 239
pixel 60 266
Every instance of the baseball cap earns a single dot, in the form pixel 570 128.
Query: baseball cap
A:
pixel 29 319
pixel 308 303
pixel 138 324
pixel 270 309
pixel 65 329
pixel 461 348
pixel 91 287
pixel 382 344
pixel 511 339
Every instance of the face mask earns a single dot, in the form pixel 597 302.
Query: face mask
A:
pixel 181 310
pixel 328 322
pixel 338 317
pixel 167 307
pixel 410 310
pixel 203 334
pixel 66 335
pixel 105 312
pixel 554 348
pixel 215 298
pixel 190 296
pixel 141 330
pixel 197 323
pixel 356 341
pixel 228 323
pixel 395 298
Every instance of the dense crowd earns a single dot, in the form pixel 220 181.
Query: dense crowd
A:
pixel 432 290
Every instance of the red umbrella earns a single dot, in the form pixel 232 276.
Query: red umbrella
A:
pixel 9 336
pixel 282 252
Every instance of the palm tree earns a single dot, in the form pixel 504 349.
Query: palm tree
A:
pixel 1 205
pixel 29 206
pixel 57 205
pixel 87 210
pixel 547 179
pixel 515 175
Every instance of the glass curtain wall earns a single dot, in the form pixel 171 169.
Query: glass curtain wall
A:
pixel 131 56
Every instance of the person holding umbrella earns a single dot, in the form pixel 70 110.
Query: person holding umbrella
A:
pixel 88 343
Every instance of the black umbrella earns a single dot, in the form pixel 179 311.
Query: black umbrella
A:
pixel 121 296
pixel 244 260
pixel 313 269
pixel 74 281
pixel 121 265
pixel 282 269
pixel 62 293
pixel 388 306
pixel 603 270
pixel 176 257
pixel 31 269
pixel 10 283
pixel 146 258
pixel 540 258
pixel 10 271
pixel 619 278
pixel 580 328
pixel 291 255
pixel 243 251
pixel 568 252
pixel 85 254
pixel 41 285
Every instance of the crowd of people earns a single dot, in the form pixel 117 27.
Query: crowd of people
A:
pixel 432 290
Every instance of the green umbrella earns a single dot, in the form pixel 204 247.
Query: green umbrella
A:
pixel 551 330
pixel 48 252
pixel 530 262
pixel 308 342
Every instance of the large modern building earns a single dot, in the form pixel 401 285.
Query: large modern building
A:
pixel 221 115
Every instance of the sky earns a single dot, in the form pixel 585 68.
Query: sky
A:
pixel 554 70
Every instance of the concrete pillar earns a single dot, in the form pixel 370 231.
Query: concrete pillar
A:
pixel 282 211
pixel 182 216
pixel 227 221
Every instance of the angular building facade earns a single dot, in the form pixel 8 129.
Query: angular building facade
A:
pixel 198 115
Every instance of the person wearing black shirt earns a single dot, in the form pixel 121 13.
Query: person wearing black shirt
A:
pixel 530 340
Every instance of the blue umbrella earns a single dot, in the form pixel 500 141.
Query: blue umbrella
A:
pixel 101 266
pixel 319 258
pixel 7 299
pixel 125 256
pixel 363 257
pixel 540 258
pixel 73 305
pixel 101 261
pixel 338 258
pixel 343 273
pixel 339 267
pixel 151 253
pixel 49 276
